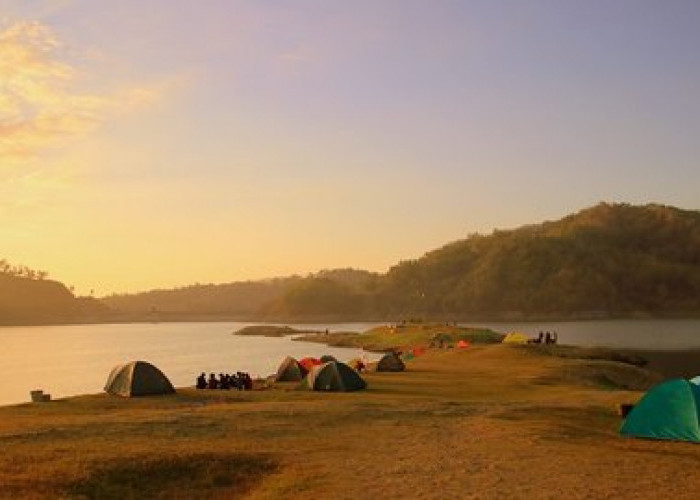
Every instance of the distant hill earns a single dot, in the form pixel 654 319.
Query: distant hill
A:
pixel 610 260
pixel 230 299
pixel 29 298
pixel 326 293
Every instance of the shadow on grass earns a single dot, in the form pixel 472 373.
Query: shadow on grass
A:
pixel 188 476
pixel 608 375
pixel 557 422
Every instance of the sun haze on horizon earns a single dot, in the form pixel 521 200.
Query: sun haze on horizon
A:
pixel 159 144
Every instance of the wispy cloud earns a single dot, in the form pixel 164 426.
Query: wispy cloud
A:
pixel 299 54
pixel 40 99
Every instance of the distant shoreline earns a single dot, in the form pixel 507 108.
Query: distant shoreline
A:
pixel 320 320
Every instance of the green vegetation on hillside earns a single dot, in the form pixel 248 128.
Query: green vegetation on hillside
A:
pixel 604 261
pixel 610 260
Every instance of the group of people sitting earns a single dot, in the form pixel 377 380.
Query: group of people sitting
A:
pixel 240 381
pixel 545 338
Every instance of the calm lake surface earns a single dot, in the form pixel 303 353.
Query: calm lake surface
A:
pixel 76 359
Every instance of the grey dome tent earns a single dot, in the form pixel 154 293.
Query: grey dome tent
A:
pixel 390 362
pixel 138 378
pixel 334 376
pixel 290 371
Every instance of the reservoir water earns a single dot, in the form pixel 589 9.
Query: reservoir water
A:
pixel 76 359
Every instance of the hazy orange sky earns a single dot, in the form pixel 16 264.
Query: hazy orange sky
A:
pixel 162 143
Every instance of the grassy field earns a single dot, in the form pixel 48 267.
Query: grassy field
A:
pixel 491 421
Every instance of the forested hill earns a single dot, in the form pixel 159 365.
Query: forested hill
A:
pixel 606 261
pixel 27 297
pixel 326 293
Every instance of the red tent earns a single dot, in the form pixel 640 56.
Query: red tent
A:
pixel 309 363
pixel 462 344
pixel 418 351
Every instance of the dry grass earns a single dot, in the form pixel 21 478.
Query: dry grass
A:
pixel 487 422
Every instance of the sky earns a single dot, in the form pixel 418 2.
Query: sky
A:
pixel 164 143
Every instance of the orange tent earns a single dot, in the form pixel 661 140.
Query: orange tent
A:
pixel 462 344
pixel 418 351
pixel 309 363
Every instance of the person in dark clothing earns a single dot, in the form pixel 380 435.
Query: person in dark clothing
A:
pixel 213 383
pixel 547 338
pixel 247 381
pixel 540 338
pixel 223 381
pixel 202 381
pixel 236 382
pixel 555 337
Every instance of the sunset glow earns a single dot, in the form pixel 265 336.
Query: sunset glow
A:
pixel 158 144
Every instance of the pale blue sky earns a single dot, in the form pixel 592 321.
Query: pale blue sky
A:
pixel 228 140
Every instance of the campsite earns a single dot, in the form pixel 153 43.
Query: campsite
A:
pixel 495 420
pixel 344 250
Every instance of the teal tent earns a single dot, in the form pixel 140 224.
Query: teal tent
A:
pixel 668 411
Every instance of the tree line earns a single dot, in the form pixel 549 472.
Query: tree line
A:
pixel 21 271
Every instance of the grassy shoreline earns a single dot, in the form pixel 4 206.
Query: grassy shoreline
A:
pixel 177 317
pixel 409 435
pixel 439 429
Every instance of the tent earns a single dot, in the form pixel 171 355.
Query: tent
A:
pixel 418 351
pixel 290 371
pixel 326 358
pixel 516 338
pixel 390 362
pixel 667 411
pixel 334 376
pixel 138 378
pixel 354 363
pixel 462 344
pixel 309 363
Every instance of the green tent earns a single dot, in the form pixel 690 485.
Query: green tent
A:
pixel 290 371
pixel 668 411
pixel 334 376
pixel 326 358
pixel 390 362
pixel 137 378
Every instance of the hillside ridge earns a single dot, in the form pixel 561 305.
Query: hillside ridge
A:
pixel 608 260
